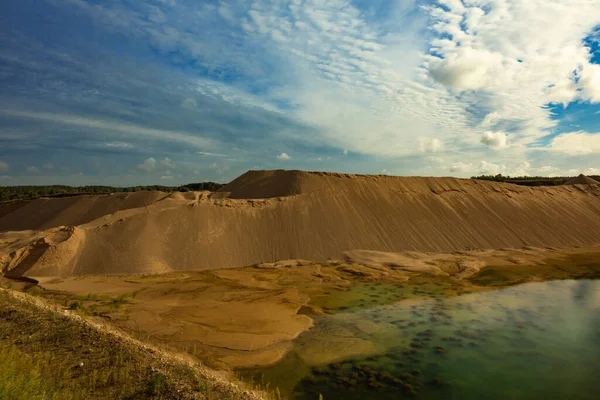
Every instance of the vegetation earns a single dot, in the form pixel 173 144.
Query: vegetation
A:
pixel 529 180
pixel 47 354
pixel 12 193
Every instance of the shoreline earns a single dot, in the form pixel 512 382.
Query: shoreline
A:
pixel 249 317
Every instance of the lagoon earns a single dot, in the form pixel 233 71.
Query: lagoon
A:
pixel 531 341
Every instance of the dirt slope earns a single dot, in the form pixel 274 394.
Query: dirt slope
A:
pixel 310 216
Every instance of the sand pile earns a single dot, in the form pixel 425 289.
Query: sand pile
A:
pixel 45 213
pixel 582 180
pixel 265 216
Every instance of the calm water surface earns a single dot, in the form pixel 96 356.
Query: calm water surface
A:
pixel 534 341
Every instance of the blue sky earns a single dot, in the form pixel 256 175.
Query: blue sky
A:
pixel 175 91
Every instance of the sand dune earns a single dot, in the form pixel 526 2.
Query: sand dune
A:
pixel 264 216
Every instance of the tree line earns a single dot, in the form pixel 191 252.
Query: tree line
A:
pixel 529 180
pixel 12 193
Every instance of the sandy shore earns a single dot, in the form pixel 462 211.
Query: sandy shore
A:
pixel 245 317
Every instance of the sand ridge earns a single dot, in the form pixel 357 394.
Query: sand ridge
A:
pixel 265 216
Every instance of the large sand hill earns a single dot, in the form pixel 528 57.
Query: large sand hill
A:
pixel 264 216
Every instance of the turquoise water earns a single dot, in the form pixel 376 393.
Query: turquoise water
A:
pixel 534 341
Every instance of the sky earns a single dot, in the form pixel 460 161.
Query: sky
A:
pixel 138 92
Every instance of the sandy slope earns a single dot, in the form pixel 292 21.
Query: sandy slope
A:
pixel 264 216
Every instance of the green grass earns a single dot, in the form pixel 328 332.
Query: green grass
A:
pixel 45 354
pixel 21 377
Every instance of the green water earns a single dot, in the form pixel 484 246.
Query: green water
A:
pixel 534 341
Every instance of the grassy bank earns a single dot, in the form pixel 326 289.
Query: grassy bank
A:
pixel 53 354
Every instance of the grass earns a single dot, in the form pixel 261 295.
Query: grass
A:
pixel 46 354
pixel 21 376
pixel 50 356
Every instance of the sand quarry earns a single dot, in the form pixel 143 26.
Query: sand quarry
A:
pixel 234 276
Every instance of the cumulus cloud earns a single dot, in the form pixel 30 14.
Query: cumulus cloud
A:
pixel 576 143
pixel 167 163
pixel 348 76
pixel 495 140
pixel 48 166
pixel 490 119
pixel 488 168
pixel 461 167
pixel 430 145
pixel 503 54
pixel 32 169
pixel 3 166
pixel 466 68
pixel 589 82
pixel 148 165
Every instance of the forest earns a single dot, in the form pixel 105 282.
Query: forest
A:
pixel 530 180
pixel 12 193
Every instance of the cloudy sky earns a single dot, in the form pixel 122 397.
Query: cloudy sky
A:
pixel 128 92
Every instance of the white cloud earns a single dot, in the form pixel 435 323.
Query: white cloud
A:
pixel 590 83
pixel 284 156
pixel 119 145
pixel 48 166
pixel 576 143
pixel 490 119
pixel 592 171
pixel 461 167
pixel 167 163
pixel 430 145
pixel 466 68
pixel 32 169
pixel 488 168
pixel 506 56
pixel 166 177
pixel 3 166
pixel 5 177
pixel 115 126
pixel 148 165
pixel 380 86
pixel 495 140
pixel 205 153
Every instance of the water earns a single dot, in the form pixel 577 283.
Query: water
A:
pixel 533 341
